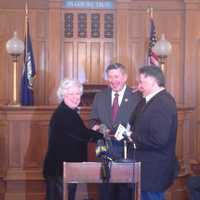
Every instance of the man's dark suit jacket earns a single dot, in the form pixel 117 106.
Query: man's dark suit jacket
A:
pixel 155 137
pixel 102 108
pixel 68 139
pixel 102 113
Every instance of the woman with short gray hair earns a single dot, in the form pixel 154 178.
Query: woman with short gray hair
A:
pixel 68 138
pixel 65 85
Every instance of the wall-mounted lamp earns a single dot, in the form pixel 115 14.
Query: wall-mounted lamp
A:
pixel 15 47
pixel 162 48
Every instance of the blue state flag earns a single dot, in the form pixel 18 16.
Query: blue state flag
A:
pixel 28 72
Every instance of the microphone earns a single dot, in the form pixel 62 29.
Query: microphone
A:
pixel 102 150
pixel 132 147
pixel 127 133
pixel 123 133
pixel 105 170
pixel 104 146
pixel 103 153
pixel 126 137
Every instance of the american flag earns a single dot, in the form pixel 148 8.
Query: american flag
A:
pixel 152 57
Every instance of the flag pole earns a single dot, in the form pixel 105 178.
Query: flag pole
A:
pixel 29 65
pixel 149 16
pixel 15 95
pixel 152 57
pixel 151 13
pixel 15 102
pixel 26 26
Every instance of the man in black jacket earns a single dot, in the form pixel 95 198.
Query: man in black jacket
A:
pixel 154 126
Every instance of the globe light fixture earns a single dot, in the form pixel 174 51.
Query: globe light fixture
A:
pixel 15 47
pixel 162 48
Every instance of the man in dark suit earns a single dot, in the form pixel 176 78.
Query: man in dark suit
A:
pixel 154 126
pixel 104 112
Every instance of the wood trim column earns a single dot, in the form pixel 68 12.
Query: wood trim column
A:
pixel 191 71
pixel 122 32
pixel 54 49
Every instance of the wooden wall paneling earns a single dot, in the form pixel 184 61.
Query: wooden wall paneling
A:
pixel 3 130
pixel 174 62
pixel 26 136
pixel 178 190
pixel 180 139
pixel 68 59
pixel 11 20
pixel 81 56
pixel 197 141
pixel 191 72
pixel 184 138
pixel 39 34
pixel 174 66
pixel 138 42
pixel 14 149
pixel 22 152
pixel 37 138
pixel 86 54
pixel 25 157
pixel 57 57
pixel 108 55
pixel 4 64
pixel 121 36
pixel 18 22
pixel 55 37
pixel 108 45
pixel 20 4
pixel 95 72
pixel 15 21
pixel 133 70
pixel 74 51
pixel 40 82
pixel 197 124
pixel 192 33
pixel 26 141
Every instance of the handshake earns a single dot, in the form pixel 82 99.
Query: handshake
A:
pixel 120 134
pixel 102 128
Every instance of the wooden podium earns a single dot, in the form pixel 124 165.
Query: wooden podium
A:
pixel 89 172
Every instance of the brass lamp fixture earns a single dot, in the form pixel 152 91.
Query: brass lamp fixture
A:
pixel 162 48
pixel 15 47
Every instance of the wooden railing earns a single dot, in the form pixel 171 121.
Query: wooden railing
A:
pixel 23 144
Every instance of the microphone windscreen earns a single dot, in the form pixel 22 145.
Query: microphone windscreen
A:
pixel 101 148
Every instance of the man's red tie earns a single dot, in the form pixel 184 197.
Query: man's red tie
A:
pixel 115 107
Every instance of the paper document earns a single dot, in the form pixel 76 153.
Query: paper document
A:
pixel 119 133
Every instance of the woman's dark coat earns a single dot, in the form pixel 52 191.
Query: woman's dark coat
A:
pixel 68 138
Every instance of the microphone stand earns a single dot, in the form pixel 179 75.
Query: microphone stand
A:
pixel 125 158
pixel 125 150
